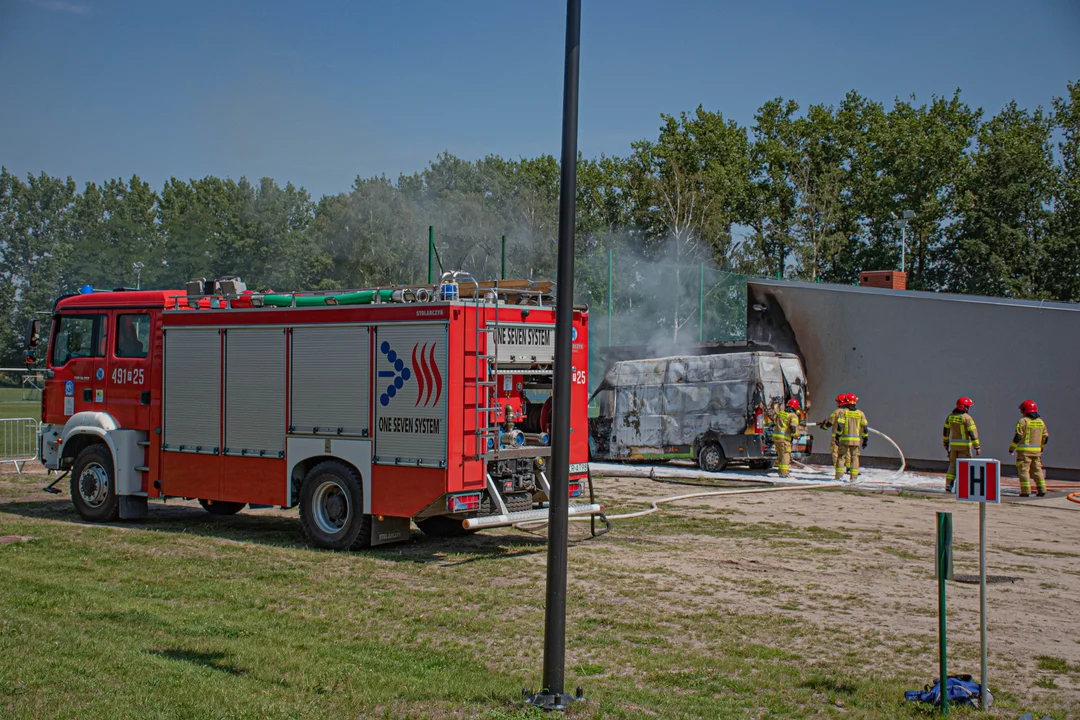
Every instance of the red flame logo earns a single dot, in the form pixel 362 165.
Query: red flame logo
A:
pixel 428 377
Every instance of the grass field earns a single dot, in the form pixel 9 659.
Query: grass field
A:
pixel 12 405
pixel 188 616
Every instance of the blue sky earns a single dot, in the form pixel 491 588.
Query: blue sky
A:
pixel 317 93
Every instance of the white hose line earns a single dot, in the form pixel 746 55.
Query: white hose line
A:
pixel 903 460
pixel 655 504
pixel 744 491
pixel 714 493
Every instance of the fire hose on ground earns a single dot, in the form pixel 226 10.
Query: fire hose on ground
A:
pixel 654 505
pixel 903 460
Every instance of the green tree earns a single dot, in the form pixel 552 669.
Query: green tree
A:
pixel 924 153
pixel 1000 241
pixel 114 226
pixel 35 241
pixel 1060 273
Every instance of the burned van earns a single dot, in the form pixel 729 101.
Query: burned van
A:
pixel 714 409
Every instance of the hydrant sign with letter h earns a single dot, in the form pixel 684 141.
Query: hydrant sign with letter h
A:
pixel 978 480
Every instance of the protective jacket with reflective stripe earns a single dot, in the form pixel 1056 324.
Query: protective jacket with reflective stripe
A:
pixel 960 431
pixel 834 417
pixel 1031 435
pixel 787 425
pixel 851 427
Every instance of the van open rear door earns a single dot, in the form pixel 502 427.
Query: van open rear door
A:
pixel 795 386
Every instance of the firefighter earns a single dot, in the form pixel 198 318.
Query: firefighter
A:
pixel 830 421
pixel 960 437
pixel 787 427
pixel 1028 443
pixel 852 432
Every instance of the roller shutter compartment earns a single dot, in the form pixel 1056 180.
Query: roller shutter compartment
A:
pixel 255 392
pixel 192 390
pixel 331 378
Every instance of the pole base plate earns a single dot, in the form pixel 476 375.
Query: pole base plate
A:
pixel 555 702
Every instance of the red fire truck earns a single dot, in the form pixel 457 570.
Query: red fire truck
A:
pixel 367 408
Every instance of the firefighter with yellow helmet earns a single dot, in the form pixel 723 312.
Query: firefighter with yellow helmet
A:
pixel 829 422
pixel 1028 443
pixel 960 437
pixel 852 434
pixel 787 428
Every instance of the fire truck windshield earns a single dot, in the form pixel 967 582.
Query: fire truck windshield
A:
pixel 74 339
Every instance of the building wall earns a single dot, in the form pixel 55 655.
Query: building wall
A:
pixel 909 355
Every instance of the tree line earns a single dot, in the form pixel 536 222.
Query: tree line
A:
pixel 808 193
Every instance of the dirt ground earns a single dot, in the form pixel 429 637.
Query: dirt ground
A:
pixel 865 562
pixel 855 561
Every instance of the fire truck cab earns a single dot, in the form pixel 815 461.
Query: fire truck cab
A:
pixel 367 409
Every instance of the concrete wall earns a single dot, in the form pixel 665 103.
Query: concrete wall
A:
pixel 909 355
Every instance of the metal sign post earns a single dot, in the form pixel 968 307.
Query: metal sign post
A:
pixel 943 570
pixel 979 481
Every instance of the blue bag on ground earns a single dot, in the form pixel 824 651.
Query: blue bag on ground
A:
pixel 962 690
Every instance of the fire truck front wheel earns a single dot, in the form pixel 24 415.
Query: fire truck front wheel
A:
pixel 331 507
pixel 93 485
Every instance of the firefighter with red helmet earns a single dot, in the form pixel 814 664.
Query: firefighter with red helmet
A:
pixel 960 437
pixel 1028 443
pixel 852 433
pixel 829 422
pixel 787 427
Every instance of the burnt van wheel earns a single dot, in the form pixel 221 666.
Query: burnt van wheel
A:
pixel 711 458
pixel 442 526
pixel 93 485
pixel 332 507
pixel 220 507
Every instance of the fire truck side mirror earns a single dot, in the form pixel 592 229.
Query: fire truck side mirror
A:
pixel 33 333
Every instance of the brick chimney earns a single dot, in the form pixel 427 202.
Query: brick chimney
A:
pixel 890 279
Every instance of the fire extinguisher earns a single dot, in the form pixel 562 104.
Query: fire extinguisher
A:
pixel 759 421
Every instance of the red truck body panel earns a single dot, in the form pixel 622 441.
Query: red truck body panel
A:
pixel 122 370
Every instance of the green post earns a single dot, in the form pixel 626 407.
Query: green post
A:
pixel 431 254
pixel 610 274
pixel 504 258
pixel 701 306
pixel 944 572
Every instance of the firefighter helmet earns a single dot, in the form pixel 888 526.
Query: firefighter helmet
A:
pixel 1029 406
pixel 851 399
pixel 793 404
pixel 841 399
pixel 964 403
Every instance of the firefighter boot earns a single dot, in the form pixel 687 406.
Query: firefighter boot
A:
pixel 783 457
pixel 1037 473
pixel 1023 469
pixel 853 462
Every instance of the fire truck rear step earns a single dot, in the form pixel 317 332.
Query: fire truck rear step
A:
pixel 494 521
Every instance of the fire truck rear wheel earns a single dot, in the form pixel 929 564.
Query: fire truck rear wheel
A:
pixel 442 526
pixel 332 507
pixel 93 485
pixel 711 458
pixel 221 507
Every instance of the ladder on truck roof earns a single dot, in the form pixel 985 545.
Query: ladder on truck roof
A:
pixel 487 373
